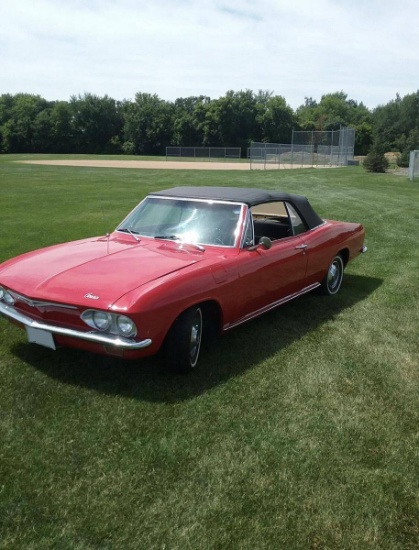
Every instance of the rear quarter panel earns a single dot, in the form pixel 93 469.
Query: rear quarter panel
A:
pixel 328 240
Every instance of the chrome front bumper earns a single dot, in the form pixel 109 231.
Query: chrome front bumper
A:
pixel 10 313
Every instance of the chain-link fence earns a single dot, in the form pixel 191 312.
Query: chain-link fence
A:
pixel 308 149
pixel 203 153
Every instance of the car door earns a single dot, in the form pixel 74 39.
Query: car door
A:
pixel 269 276
pixel 266 276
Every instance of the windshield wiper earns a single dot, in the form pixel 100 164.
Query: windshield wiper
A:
pixel 168 237
pixel 178 239
pixel 132 233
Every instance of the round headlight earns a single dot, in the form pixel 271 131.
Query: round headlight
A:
pixel 101 320
pixel 126 327
pixel 8 298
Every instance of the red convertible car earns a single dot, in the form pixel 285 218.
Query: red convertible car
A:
pixel 187 262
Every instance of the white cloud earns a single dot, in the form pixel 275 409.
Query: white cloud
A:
pixel 369 48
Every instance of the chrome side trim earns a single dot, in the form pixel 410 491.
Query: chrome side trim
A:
pixel 278 303
pixel 10 312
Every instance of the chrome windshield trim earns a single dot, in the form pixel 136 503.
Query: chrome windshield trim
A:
pixel 193 199
pixel 10 312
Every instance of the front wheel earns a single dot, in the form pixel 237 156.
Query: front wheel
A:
pixel 183 342
pixel 333 279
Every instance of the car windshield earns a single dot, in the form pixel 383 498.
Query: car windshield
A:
pixel 191 221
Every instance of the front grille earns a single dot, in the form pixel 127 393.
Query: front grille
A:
pixel 50 312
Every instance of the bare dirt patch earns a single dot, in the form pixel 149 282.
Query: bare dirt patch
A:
pixel 145 164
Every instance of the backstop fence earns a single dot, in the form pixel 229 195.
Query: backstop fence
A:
pixel 203 153
pixel 314 148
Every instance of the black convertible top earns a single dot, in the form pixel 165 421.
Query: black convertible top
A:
pixel 249 196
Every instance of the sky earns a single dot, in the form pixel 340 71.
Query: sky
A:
pixel 368 49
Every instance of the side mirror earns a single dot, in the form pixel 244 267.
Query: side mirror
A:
pixel 263 241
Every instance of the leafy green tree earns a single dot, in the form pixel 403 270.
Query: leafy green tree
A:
pixel 186 129
pixel 277 120
pixel 307 115
pixel 19 114
pixel 333 111
pixel 95 121
pixel 409 113
pixel 387 122
pixel 236 114
pixel 406 145
pixel 148 124
pixel 42 134
pixel 6 104
pixel 206 122
pixel 363 138
pixel 62 128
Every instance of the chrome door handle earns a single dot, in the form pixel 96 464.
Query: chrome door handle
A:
pixel 301 247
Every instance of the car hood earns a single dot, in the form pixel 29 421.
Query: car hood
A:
pixel 93 273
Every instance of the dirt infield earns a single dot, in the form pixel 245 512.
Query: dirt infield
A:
pixel 145 164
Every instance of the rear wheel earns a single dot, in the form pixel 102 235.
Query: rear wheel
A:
pixel 333 279
pixel 183 342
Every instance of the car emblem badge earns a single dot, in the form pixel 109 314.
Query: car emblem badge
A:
pixel 91 296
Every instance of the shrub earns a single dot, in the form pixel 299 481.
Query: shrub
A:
pixel 128 148
pixel 375 161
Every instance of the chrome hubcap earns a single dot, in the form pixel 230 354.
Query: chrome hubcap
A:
pixel 196 334
pixel 333 275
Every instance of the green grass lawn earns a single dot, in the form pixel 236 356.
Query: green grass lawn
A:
pixel 300 430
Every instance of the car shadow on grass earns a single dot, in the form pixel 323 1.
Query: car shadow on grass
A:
pixel 230 356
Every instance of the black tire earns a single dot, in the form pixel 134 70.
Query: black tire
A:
pixel 333 279
pixel 183 342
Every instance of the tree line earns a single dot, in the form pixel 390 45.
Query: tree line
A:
pixel 146 125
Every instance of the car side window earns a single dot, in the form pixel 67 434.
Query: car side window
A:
pixel 271 219
pixel 297 223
